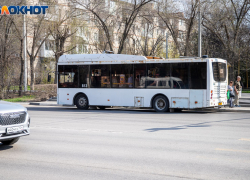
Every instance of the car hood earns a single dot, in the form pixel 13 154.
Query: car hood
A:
pixel 6 107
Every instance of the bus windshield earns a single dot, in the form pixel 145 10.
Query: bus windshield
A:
pixel 219 71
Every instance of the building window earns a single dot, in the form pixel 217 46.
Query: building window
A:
pixel 96 36
pixel 81 48
pixel 49 45
pixel 88 35
pixel 81 31
pixel 180 22
pixel 171 22
pixel 112 4
pixel 180 35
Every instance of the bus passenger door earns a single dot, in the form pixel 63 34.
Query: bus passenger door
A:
pixel 196 99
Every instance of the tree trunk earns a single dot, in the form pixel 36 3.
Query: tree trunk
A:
pixel 32 75
pixel 186 52
pixel 247 74
pixel 233 68
pixel 22 68
pixel 238 67
pixel 56 74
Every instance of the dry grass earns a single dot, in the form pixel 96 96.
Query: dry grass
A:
pixel 42 92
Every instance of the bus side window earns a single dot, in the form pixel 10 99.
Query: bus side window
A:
pixel 139 75
pixel 176 85
pixel 180 73
pixel 122 76
pixel 158 75
pixel 68 76
pixel 100 76
pixel 60 76
pixel 84 76
pixel 198 73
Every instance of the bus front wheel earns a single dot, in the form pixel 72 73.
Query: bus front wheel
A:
pixel 82 102
pixel 160 103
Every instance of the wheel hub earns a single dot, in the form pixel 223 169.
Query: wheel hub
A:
pixel 160 104
pixel 82 101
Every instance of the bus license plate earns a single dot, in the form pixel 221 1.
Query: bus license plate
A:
pixel 13 130
pixel 220 103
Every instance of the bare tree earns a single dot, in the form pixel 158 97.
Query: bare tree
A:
pixel 38 34
pixel 7 54
pixel 60 30
pixel 19 35
pixel 11 62
pixel 225 19
pixel 147 41
pixel 171 16
pixel 122 16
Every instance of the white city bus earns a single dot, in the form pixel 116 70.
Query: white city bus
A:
pixel 105 80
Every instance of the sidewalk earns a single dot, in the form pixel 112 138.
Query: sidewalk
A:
pixel 244 102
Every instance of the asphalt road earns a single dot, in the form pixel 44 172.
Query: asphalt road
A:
pixel 66 143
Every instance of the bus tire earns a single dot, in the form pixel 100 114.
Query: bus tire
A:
pixel 82 102
pixel 10 142
pixel 160 104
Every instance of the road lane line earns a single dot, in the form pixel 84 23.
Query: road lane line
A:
pixel 244 139
pixel 232 150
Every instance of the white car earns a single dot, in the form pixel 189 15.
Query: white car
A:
pixel 14 122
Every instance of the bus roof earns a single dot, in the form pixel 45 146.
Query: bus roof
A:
pixel 99 57
pixel 118 58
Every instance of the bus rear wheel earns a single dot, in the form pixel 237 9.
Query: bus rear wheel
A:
pixel 160 104
pixel 82 102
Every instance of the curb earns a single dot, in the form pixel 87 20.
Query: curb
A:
pixel 225 110
pixel 46 104
pixel 42 104
pixel 221 110
pixel 204 110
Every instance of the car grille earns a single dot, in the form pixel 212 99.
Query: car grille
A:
pixel 12 118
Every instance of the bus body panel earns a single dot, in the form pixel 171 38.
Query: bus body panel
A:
pixel 214 93
pixel 180 98
pixel 217 91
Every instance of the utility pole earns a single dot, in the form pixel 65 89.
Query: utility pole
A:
pixel 25 53
pixel 199 28
pixel 166 45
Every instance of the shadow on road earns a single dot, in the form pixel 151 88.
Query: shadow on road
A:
pixel 4 147
pixel 204 124
pixel 109 110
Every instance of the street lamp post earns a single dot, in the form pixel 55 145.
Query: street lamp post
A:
pixel 166 45
pixel 24 53
pixel 199 29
